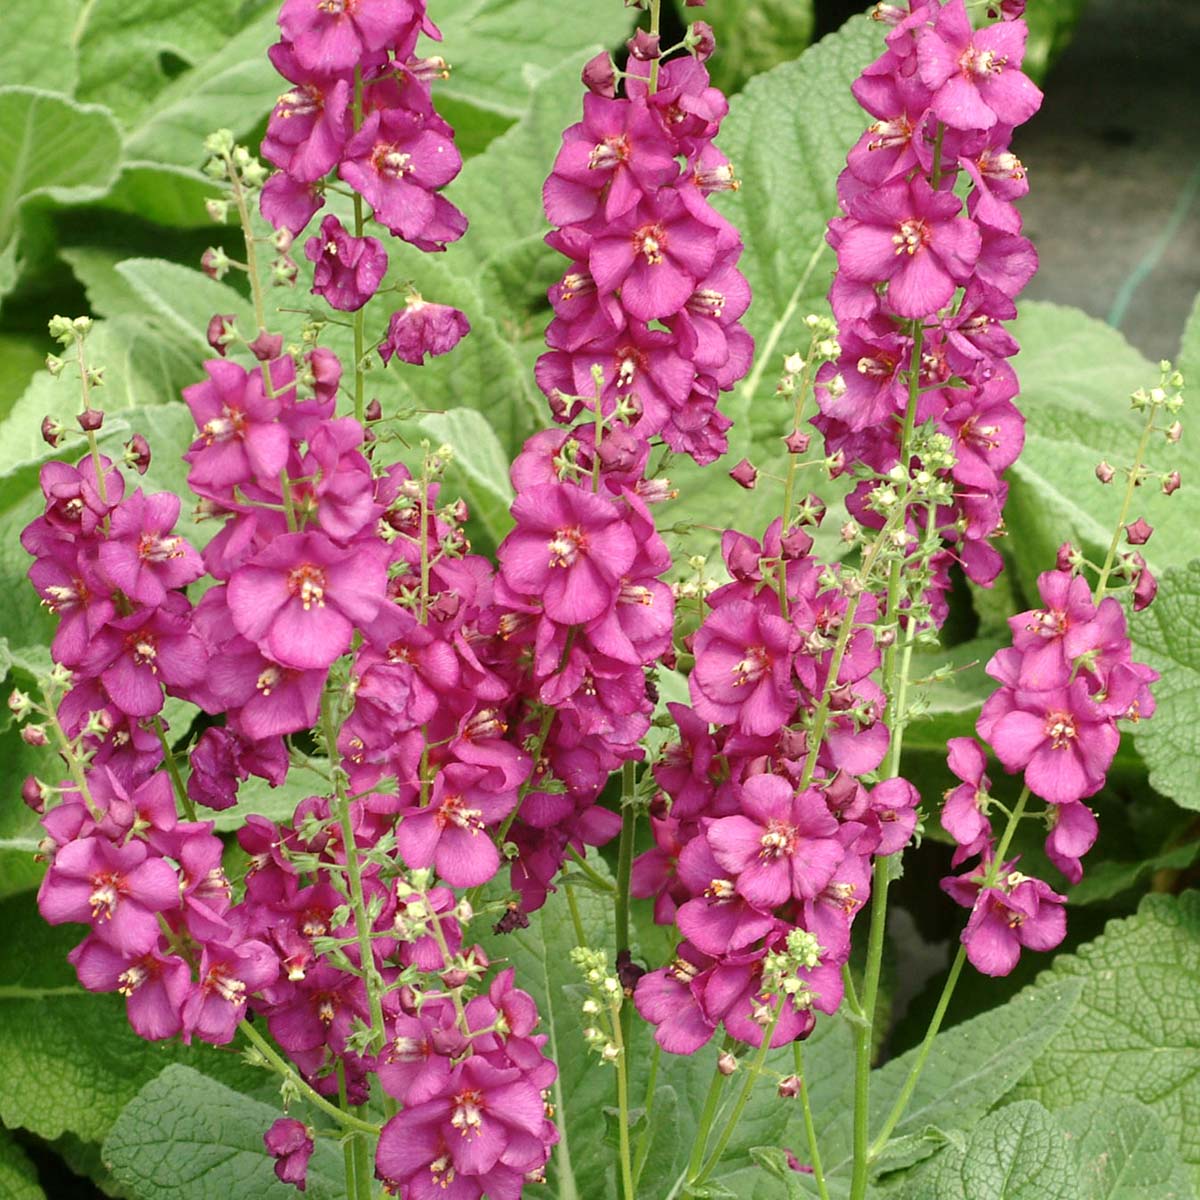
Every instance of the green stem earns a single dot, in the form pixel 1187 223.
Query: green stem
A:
pixel 810 1129
pixel 655 12
pixel 239 199
pixel 349 1162
pixel 643 1142
pixel 616 1012
pixel 357 897
pixel 598 880
pixel 624 876
pixel 359 316
pixel 789 487
pixel 284 1068
pixel 173 770
pixel 707 1115
pixel 363 1168
pixel 1134 475
pixel 576 919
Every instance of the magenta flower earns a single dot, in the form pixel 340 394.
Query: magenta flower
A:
pixel 743 669
pixel 349 270
pixel 397 167
pixel 287 203
pixel 227 977
pixel 1018 912
pixel 416 1062
pixel 784 846
pixel 670 999
pixel 422 328
pixel 117 890
pixel 154 986
pixel 1052 637
pixel 72 589
pixel 240 437
pixel 570 548
pixel 290 1144
pixel 964 811
pixel 301 598
pixel 1060 738
pixel 976 75
pixel 911 236
pixel 1072 835
pixel 656 254
pixel 309 126
pixel 142 555
pixel 336 35
pixel 450 833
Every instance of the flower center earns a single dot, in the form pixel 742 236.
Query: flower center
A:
pixel 142 645
pixel 910 237
pixel 408 1050
pixel 106 891
pixel 1060 729
pixel 707 302
pixel 780 839
pixel 131 979
pixel 719 890
pixel 307 582
pixel 629 361
pixel 982 62
pixel 876 368
pixel 887 134
pixel 751 668
pixel 566 545
pixel 453 811
pixel 230 424
pixel 1001 166
pixel 635 593
pixel 441 1171
pixel 301 101
pixel 1048 623
pixel 650 241
pixel 227 986
pixel 336 8
pixel 390 161
pixel 611 152
pixel 153 548
pixel 467 1117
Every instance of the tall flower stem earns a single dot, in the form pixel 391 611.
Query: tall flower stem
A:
pixel 172 765
pixel 712 1102
pixel 617 1011
pixel 642 1150
pixel 810 1130
pixel 895 683
pixel 256 292
pixel 1135 473
pixel 624 876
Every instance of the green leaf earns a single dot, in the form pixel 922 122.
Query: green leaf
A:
pixel 184 299
pixel 51 146
pixel 498 48
pixel 1110 878
pixel 186 1137
pixel 753 36
pixel 69 1059
pixel 1051 26
pixel 1123 1152
pixel 787 135
pixel 162 194
pixel 1167 637
pixel 972 1066
pixel 1189 351
pixel 1134 1030
pixel 43 56
pixel 1018 1152
pixel 1076 378
pixel 129 50
pixel 479 461
pixel 257 797
pixel 18 1176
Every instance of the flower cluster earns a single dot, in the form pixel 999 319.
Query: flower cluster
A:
pixel 646 317
pixel 924 283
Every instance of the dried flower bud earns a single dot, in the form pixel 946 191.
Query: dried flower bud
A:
pixel 373 411
pixel 137 453
pixel 267 346
pixel 1104 472
pixel 745 474
pixel 52 431
pixel 1068 558
pixel 628 972
pixel 1175 431
pixel 1170 483
pixel 34 735
pixel 90 420
pixel 789 1087
pixel 700 40
pixel 1145 585
pixel 1138 534
pixel 726 1063
pixel 217 209
pixel 889 14
pixel 600 76
pixel 222 329
pixel 644 46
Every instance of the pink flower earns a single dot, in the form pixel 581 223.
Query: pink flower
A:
pixel 422 328
pixel 963 815
pixel 784 846
pixel 911 236
pixel 142 555
pixel 228 975
pixel 117 890
pixel 975 75
pixel 336 35
pixel 1072 835
pixel 154 986
pixel 290 1144
pixel 570 548
pixel 670 999
pixel 287 203
pixel 301 598
pixel 349 270
pixel 451 832
pixel 310 124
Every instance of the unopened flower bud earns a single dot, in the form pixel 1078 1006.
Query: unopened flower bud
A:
pixel 55 365
pixel 34 735
pixel 835 464
pixel 90 420
pixel 644 46
pixel 789 1087
pixel 599 76
pixel 745 474
pixel 373 411
pixel 1175 432
pixel 52 431
pixel 1068 557
pixel 137 453
pixel 214 262
pixel 283 271
pixel 1138 533
pixel 797 442
pixel 726 1063
pixel 1104 472
pixel 222 329
pixel 219 142
pixel 267 346
pixel 217 209
pixel 700 40
pixel 61 329
pixel 33 794
pixel 20 704
pixel 1170 483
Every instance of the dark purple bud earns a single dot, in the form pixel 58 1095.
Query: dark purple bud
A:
pixel 793 743
pixel 267 346
pixel 789 1087
pixel 599 76
pixel 835 464
pixel 700 40
pixel 373 411
pixel 744 474
pixel 1068 558
pixel 221 331
pixel 797 442
pixel 628 972
pixel 796 543
pixel 90 420
pixel 1170 483
pixel 31 793
pixel 137 453
pixel 1145 586
pixel 1138 534
pixel 693 3
pixel 512 920
pixel 52 431
pixel 214 262
pixel 811 510
pixel 644 46
pixel 1104 472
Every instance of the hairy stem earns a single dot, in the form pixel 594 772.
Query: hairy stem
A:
pixel 173 770
pixel 1134 476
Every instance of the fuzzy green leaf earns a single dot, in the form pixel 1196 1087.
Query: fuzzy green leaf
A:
pixel 753 36
pixel 18 1176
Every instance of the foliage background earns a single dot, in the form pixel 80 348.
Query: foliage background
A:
pixel 1080 1088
